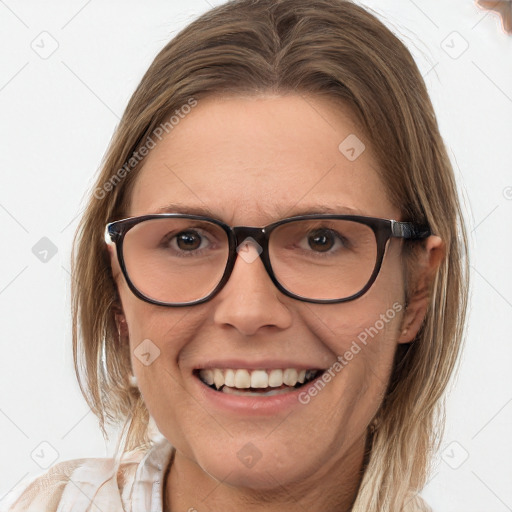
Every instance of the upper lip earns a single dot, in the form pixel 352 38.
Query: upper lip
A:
pixel 263 364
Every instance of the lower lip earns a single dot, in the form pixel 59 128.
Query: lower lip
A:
pixel 253 405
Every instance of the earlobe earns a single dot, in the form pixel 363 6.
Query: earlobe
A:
pixel 122 326
pixel 414 315
pixel 425 270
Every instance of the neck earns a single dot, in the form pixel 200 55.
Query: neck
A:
pixel 332 488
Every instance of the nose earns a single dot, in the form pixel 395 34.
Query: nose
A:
pixel 250 301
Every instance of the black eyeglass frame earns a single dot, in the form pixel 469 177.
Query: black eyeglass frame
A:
pixel 383 229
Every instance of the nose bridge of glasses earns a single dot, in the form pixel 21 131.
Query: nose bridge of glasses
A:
pixel 250 236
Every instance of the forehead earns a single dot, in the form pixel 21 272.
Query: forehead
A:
pixel 255 159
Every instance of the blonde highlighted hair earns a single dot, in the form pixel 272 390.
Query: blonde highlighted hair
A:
pixel 332 48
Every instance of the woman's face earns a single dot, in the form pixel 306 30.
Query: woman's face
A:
pixel 252 161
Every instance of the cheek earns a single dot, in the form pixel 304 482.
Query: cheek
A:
pixel 157 337
pixel 372 322
pixel 164 332
pixel 362 334
pixel 362 339
pixel 156 323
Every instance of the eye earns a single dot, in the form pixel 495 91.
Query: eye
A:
pixel 321 240
pixel 188 240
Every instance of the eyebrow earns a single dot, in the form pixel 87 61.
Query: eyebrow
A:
pixel 291 212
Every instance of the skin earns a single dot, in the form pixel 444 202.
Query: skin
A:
pixel 238 157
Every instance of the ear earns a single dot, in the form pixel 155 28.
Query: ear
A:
pixel 122 326
pixel 425 268
pixel 114 263
pixel 119 317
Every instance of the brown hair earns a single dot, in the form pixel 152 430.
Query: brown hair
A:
pixel 333 48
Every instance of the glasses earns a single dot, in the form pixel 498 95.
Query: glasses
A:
pixel 174 259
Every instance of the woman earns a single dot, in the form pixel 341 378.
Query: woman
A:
pixel 300 366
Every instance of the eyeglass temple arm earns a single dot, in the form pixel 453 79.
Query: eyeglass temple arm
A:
pixel 409 230
pixel 109 236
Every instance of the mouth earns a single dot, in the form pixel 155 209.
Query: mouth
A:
pixel 257 382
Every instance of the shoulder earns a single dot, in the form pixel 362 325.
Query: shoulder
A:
pixel 45 491
pixel 66 485
pixel 73 485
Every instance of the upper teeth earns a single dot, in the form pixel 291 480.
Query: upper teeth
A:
pixel 243 378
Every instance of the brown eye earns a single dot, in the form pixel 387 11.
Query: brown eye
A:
pixel 321 240
pixel 188 240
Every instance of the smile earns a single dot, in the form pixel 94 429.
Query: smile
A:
pixel 246 382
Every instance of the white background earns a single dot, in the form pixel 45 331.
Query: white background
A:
pixel 56 118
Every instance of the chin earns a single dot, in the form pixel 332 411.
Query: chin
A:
pixel 256 468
